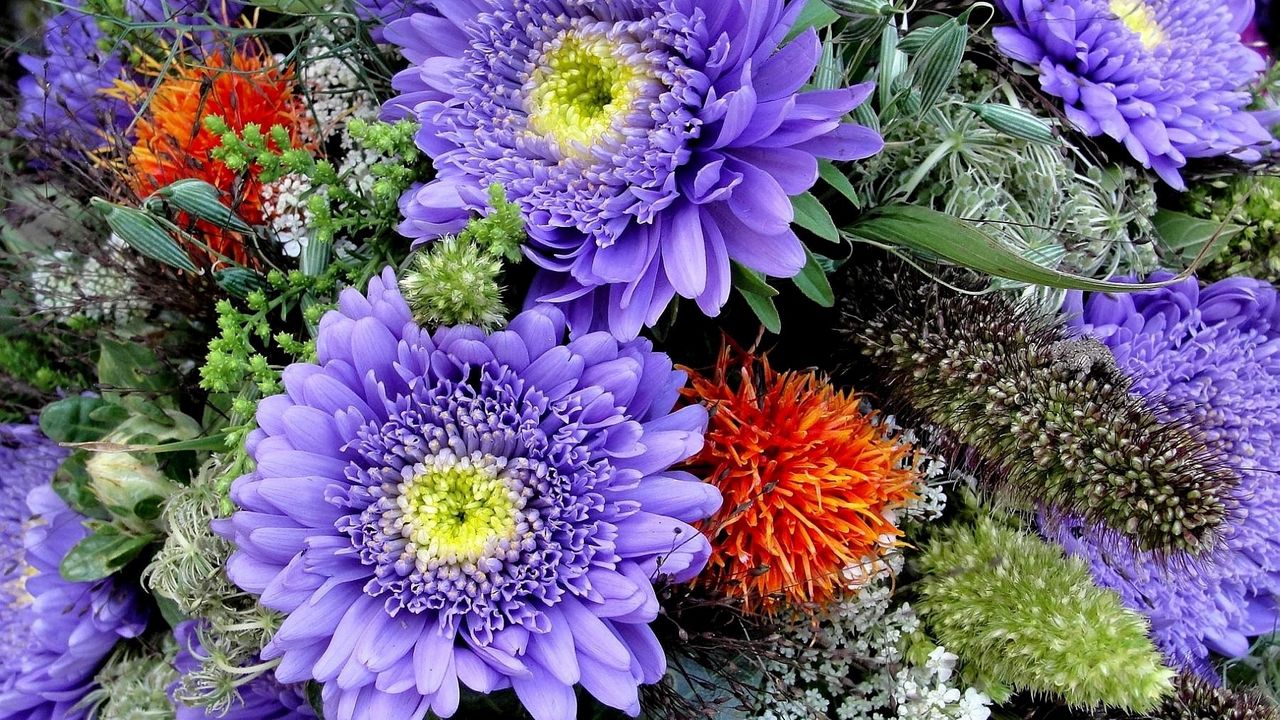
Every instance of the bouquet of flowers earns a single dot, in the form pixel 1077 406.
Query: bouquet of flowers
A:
pixel 676 359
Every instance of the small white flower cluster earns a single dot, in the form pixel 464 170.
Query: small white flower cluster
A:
pixel 335 95
pixel 66 284
pixel 849 663
pixel 284 203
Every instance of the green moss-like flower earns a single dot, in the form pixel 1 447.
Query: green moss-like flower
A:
pixel 1252 203
pixel 1050 420
pixel 454 282
pixel 1195 699
pixel 501 231
pixel 1022 615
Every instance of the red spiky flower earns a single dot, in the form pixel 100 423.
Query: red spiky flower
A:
pixel 809 482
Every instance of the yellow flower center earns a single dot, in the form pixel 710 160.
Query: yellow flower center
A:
pixel 458 512
pixel 1138 16
pixel 579 91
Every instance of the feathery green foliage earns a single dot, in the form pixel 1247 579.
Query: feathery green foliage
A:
pixel 189 570
pixel 1253 203
pixel 133 684
pixel 1022 616
pixel 1051 418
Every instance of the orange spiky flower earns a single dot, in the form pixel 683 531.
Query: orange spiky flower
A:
pixel 808 481
pixel 244 87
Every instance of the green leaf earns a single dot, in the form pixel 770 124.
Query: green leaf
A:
pixel 759 296
pixel 934 69
pixel 169 610
pixel 812 216
pixel 816 14
pixel 78 419
pixel 750 281
pixel 915 40
pixel 144 234
pixel 104 552
pixel 839 181
pixel 212 443
pixel 239 281
pixel 1014 122
pixel 813 282
pixel 131 366
pixel 1192 238
pixel 202 201
pixel 940 235
pixel 765 310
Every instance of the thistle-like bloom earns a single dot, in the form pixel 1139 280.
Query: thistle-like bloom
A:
pixel 263 698
pixel 810 483
pixel 248 87
pixel 1167 78
pixel 1022 615
pixel 490 509
pixel 647 143
pixel 1209 356
pixel 54 634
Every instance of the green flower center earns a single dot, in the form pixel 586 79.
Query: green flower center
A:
pixel 459 511
pixel 1138 16
pixel 580 90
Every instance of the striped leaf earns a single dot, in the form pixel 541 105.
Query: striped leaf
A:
pixel 142 233
pixel 1014 122
pixel 239 281
pixel 915 40
pixel 203 202
pixel 893 62
pixel 934 69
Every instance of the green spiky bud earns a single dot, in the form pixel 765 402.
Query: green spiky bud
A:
pixel 133 683
pixel 454 283
pixel 1046 419
pixel 1022 615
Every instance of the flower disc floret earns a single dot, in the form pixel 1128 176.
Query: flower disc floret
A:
pixel 490 509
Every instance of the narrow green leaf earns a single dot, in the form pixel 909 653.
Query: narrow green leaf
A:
pixel 1015 122
pixel 812 216
pixel 893 63
pixel 765 311
pixel 816 14
pixel 813 282
pixel 101 554
pixel 203 201
pixel 940 235
pixel 1192 237
pixel 215 443
pixel 934 68
pixel 750 281
pixel 839 181
pixel 144 234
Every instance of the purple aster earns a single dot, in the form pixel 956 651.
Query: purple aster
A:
pixel 62 100
pixel 1167 78
pixel 261 699
pixel 649 143
pixel 54 634
pixel 383 12
pixel 462 507
pixel 1209 356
